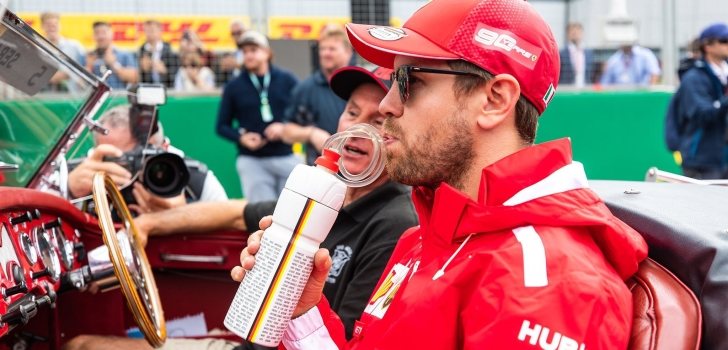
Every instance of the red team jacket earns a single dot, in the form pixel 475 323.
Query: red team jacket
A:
pixel 538 262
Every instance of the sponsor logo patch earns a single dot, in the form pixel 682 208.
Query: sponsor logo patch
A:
pixel 541 337
pixel 549 94
pixel 342 255
pixel 387 33
pixel 508 43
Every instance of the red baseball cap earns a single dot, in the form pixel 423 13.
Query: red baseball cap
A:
pixel 345 80
pixel 500 36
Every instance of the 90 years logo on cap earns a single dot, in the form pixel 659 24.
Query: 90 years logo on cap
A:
pixel 387 33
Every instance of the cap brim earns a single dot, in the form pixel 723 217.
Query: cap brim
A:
pixel 345 80
pixel 380 44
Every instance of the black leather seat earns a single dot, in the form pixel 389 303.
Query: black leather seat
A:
pixel 686 228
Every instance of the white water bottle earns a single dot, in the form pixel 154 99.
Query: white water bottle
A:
pixel 304 214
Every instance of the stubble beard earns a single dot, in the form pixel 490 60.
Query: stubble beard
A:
pixel 444 153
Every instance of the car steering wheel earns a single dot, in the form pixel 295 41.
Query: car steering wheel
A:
pixel 130 262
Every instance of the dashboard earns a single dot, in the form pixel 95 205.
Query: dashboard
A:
pixel 41 254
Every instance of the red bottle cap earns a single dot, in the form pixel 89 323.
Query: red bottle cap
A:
pixel 329 159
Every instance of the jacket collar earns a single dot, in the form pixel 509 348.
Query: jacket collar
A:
pixel 533 172
pixel 319 78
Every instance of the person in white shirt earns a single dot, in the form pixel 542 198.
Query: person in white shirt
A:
pixel 577 62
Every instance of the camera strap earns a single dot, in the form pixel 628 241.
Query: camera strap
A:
pixel 265 111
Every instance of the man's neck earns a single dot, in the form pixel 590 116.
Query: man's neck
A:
pixel 715 60
pixel 261 70
pixel 487 153
pixel 328 73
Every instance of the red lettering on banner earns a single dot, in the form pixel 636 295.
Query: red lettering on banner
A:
pixel 125 31
pixel 290 30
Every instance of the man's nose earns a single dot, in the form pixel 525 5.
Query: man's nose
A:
pixel 391 105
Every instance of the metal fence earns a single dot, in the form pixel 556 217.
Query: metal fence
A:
pixel 665 27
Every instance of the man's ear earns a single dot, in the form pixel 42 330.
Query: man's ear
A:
pixel 503 92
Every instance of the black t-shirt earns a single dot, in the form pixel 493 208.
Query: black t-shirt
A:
pixel 360 243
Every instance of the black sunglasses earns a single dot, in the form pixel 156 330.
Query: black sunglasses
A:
pixel 401 75
pixel 723 41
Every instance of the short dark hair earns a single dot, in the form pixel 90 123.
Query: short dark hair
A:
pixel 101 24
pixel 526 112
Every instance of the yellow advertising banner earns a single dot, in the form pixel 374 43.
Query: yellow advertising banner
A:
pixel 214 31
pixel 301 28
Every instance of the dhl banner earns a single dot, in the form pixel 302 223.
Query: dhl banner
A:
pixel 214 31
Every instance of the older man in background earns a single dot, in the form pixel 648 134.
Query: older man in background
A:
pixel 314 111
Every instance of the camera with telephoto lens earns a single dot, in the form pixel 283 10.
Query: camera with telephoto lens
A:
pixel 162 173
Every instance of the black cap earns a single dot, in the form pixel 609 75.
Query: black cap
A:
pixel 346 79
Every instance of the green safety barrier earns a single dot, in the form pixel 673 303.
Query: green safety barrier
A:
pixel 616 135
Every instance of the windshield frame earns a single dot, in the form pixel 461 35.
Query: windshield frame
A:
pixel 99 94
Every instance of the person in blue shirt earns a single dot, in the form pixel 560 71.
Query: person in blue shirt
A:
pixel 631 65
pixel 251 115
pixel 699 109
pixel 314 112
pixel 107 57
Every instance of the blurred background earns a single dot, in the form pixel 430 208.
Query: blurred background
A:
pixel 616 124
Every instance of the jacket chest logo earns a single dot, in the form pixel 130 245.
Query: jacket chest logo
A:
pixel 382 298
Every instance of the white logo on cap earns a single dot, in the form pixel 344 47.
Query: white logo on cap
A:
pixel 503 41
pixel 387 33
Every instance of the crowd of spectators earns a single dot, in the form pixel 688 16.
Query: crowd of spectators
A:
pixel 189 67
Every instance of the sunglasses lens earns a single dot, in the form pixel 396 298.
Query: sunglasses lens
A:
pixel 402 78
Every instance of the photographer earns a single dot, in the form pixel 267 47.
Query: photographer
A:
pixel 120 141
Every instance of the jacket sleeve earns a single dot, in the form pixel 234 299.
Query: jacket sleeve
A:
pixel 319 328
pixel 697 100
pixel 225 116
pixel 253 212
pixel 575 312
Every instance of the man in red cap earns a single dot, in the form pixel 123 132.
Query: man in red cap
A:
pixel 513 251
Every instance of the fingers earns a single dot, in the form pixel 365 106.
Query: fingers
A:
pixel 105 150
pixel 253 243
pixel 135 209
pixel 321 265
pixel 118 173
pixel 140 195
pixel 265 222
pixel 248 263
pixel 273 131
pixel 237 273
